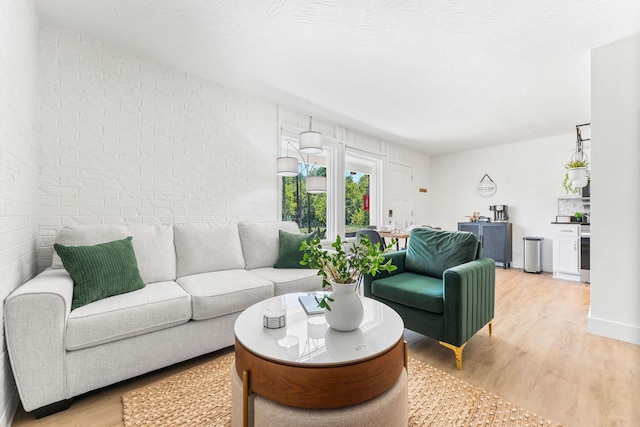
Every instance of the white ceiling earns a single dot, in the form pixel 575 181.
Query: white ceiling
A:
pixel 439 76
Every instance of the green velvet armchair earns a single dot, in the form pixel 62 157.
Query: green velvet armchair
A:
pixel 442 288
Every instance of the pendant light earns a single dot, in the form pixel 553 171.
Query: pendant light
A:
pixel 316 184
pixel 310 141
pixel 287 166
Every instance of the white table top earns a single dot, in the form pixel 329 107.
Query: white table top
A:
pixel 307 339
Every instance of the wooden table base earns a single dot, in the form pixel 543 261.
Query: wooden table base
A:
pixel 322 386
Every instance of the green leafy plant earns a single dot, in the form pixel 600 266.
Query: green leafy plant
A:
pixel 576 164
pixel 338 266
pixel 578 215
pixel 566 184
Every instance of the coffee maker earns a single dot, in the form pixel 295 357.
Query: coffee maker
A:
pixel 500 213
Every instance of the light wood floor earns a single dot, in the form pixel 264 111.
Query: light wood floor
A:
pixel 540 357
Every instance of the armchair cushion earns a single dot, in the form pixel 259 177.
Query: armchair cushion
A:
pixel 431 252
pixel 413 290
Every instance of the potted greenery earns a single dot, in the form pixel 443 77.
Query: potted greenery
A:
pixel 577 172
pixel 567 185
pixel 344 272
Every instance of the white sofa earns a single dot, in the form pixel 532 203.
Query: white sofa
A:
pixel 198 278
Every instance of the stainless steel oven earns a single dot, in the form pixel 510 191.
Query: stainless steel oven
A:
pixel 585 253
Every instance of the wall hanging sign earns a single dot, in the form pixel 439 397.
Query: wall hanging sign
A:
pixel 486 186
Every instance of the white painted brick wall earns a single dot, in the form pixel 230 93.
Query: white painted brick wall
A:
pixel 122 140
pixel 18 167
pixel 127 140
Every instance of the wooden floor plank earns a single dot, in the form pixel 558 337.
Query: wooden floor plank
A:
pixel 540 357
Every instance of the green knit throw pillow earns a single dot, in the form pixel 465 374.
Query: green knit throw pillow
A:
pixel 289 253
pixel 100 271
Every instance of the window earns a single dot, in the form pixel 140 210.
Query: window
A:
pixel 354 188
pixel 361 194
pixel 356 201
pixel 309 211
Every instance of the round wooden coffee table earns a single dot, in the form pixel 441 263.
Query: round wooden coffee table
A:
pixel 308 365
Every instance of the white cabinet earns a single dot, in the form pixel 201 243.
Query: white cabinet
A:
pixel 566 255
pixel 566 252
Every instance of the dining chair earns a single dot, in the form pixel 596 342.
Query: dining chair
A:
pixel 373 235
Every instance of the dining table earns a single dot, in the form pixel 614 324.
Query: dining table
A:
pixel 396 235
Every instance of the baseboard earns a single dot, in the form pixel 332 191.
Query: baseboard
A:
pixel 9 411
pixel 566 276
pixel 615 330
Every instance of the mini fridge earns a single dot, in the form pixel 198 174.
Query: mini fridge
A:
pixel 532 254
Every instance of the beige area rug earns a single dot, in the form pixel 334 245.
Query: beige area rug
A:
pixel 201 396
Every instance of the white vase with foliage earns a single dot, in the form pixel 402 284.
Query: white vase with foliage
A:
pixel 343 272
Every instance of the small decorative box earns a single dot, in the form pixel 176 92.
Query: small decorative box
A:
pixel 274 318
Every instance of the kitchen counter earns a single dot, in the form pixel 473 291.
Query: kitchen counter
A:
pixel 571 223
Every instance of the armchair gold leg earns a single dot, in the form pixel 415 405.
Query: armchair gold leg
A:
pixel 457 351
pixel 491 328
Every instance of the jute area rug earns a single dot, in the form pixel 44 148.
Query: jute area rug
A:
pixel 201 396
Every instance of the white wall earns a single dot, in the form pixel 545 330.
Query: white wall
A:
pixel 127 140
pixel 18 166
pixel 528 176
pixel 615 266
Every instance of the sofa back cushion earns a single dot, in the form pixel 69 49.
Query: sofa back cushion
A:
pixel 205 247
pixel 431 252
pixel 260 241
pixel 152 244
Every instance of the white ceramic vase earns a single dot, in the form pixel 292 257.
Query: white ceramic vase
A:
pixel 346 312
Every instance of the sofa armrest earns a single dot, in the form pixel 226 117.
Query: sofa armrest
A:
pixel 397 258
pixel 35 324
pixel 469 299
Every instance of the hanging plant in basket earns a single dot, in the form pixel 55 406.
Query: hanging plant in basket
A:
pixel 577 166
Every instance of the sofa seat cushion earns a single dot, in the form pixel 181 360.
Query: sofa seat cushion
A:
pixel 157 306
pixel 431 252
pixel 218 293
pixel 413 290
pixel 289 280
